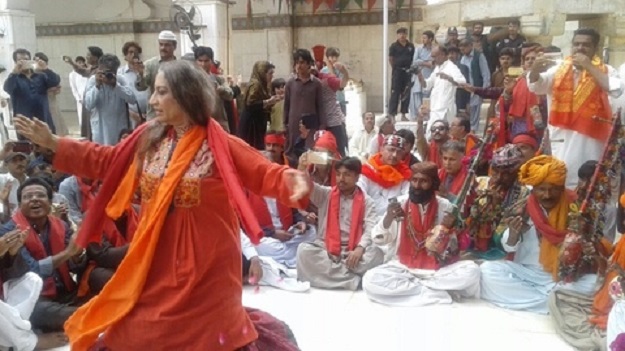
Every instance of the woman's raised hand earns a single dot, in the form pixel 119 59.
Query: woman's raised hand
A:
pixel 36 131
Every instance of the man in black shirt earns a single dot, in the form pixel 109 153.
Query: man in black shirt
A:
pixel 514 40
pixel 400 57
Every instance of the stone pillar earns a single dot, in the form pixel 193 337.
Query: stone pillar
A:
pixel 214 32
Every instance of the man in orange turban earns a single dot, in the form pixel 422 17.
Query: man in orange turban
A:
pixel 524 283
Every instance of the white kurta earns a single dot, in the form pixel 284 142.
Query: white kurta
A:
pixel 78 84
pixel 21 295
pixel 443 92
pixel 359 144
pixel 568 145
pixel 380 195
pixel 523 284
pixel 274 274
pixel 397 285
pixel 616 322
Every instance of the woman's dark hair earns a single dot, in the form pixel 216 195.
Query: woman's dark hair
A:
pixel 43 57
pixel 192 90
pixel 352 164
pixel 35 181
pixel 277 83
pixel 130 44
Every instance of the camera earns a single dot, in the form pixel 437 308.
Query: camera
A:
pixel 413 69
pixel 109 75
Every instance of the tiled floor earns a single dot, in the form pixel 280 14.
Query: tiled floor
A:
pixel 342 320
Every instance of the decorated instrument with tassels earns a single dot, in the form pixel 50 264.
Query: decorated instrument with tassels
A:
pixel 545 144
pixel 440 243
pixel 587 219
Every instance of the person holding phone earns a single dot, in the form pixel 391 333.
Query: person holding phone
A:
pixel 107 96
pixel 28 85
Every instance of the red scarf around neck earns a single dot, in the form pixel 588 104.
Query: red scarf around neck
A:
pixel 333 229
pixel 434 155
pixel 413 254
pixel 261 210
pixel 541 222
pixel 34 245
pixel 457 182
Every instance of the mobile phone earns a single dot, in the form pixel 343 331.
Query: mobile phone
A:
pixel 109 75
pixel 319 158
pixel 515 72
pixel 23 146
pixel 66 58
pixel 392 200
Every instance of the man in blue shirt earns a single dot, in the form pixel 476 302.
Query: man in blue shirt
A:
pixel 28 86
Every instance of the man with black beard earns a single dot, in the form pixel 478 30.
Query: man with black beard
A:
pixel 424 267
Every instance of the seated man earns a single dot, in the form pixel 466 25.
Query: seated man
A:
pixel 284 228
pixel 21 292
pixel 527 144
pixel 616 287
pixel 421 271
pixel 361 139
pixel 386 174
pixel 50 251
pixel 460 130
pixel 323 172
pixel 342 252
pixel 454 172
pixel 274 148
pixel 439 135
pixel 104 257
pixel 496 196
pixel 408 146
pixel 265 271
pixel 525 282
pixel 385 126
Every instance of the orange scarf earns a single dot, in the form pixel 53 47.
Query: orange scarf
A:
pixel 123 290
pixel 384 175
pixel 551 229
pixel 603 302
pixel 333 232
pixel 574 108
pixel 522 102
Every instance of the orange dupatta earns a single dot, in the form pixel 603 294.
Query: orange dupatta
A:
pixel 122 292
pixel 574 108
pixel 603 302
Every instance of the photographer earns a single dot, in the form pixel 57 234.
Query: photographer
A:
pixel 106 97
pixel 28 86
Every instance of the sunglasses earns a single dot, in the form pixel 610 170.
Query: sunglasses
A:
pixel 437 129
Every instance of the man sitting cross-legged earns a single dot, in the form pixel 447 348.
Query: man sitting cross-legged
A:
pixel 525 282
pixel 418 229
pixel 284 228
pixel 343 251
pixel 496 196
pixel 19 292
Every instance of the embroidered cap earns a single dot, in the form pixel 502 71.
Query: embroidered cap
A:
pixel 507 158
pixel 394 140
